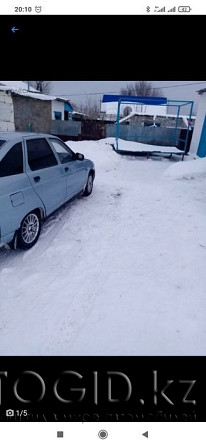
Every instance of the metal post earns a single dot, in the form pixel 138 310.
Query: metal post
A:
pixel 188 125
pixel 176 126
pixel 117 124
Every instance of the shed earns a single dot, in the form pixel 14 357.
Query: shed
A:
pixel 26 109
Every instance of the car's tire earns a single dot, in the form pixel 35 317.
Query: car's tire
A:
pixel 29 231
pixel 14 242
pixel 89 185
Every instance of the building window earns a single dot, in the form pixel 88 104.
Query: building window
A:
pixel 58 115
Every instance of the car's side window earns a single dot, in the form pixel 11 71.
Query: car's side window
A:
pixel 63 152
pixel 40 155
pixel 12 163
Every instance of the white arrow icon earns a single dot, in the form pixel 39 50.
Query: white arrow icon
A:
pixel 14 29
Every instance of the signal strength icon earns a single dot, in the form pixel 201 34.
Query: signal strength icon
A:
pixel 161 10
pixel 172 10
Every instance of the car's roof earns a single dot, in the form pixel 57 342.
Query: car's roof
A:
pixel 12 135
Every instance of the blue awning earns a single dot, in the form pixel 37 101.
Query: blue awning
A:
pixel 68 107
pixel 153 100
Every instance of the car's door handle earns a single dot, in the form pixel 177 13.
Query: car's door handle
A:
pixel 66 169
pixel 37 178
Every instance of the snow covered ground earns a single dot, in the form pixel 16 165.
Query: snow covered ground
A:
pixel 121 272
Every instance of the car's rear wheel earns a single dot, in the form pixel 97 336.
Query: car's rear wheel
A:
pixel 29 231
pixel 89 185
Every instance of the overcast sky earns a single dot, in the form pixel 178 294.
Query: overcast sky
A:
pixel 80 91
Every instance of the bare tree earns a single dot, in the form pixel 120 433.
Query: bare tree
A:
pixel 141 88
pixel 90 108
pixel 42 86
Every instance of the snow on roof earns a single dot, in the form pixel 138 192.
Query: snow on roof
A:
pixel 21 88
pixel 78 113
pixel 16 85
pixel 185 118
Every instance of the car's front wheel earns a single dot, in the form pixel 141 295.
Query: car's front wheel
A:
pixel 89 185
pixel 29 231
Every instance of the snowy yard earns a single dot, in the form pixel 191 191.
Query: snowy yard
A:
pixel 122 272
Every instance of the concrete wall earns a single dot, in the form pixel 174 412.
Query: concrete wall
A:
pixel 57 106
pixel 32 114
pixel 201 112
pixel 6 112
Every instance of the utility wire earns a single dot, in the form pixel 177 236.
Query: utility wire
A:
pixel 154 88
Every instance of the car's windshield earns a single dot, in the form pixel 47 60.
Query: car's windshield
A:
pixel 2 142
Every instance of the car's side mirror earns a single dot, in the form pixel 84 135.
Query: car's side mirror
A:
pixel 79 156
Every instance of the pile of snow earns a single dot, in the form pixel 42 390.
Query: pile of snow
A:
pixel 187 170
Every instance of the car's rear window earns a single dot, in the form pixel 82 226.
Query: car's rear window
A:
pixel 2 142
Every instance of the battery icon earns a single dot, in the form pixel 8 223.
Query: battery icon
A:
pixel 184 9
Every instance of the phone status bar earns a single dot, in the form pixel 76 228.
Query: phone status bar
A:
pixel 131 7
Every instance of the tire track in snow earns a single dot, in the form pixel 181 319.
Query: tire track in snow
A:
pixel 93 280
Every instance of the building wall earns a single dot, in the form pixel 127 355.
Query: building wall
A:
pixel 32 114
pixel 6 112
pixel 201 112
pixel 125 109
pixel 57 106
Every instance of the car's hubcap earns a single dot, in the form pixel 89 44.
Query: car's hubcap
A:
pixel 89 183
pixel 30 228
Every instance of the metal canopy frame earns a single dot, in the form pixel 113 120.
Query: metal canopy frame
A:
pixel 169 103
